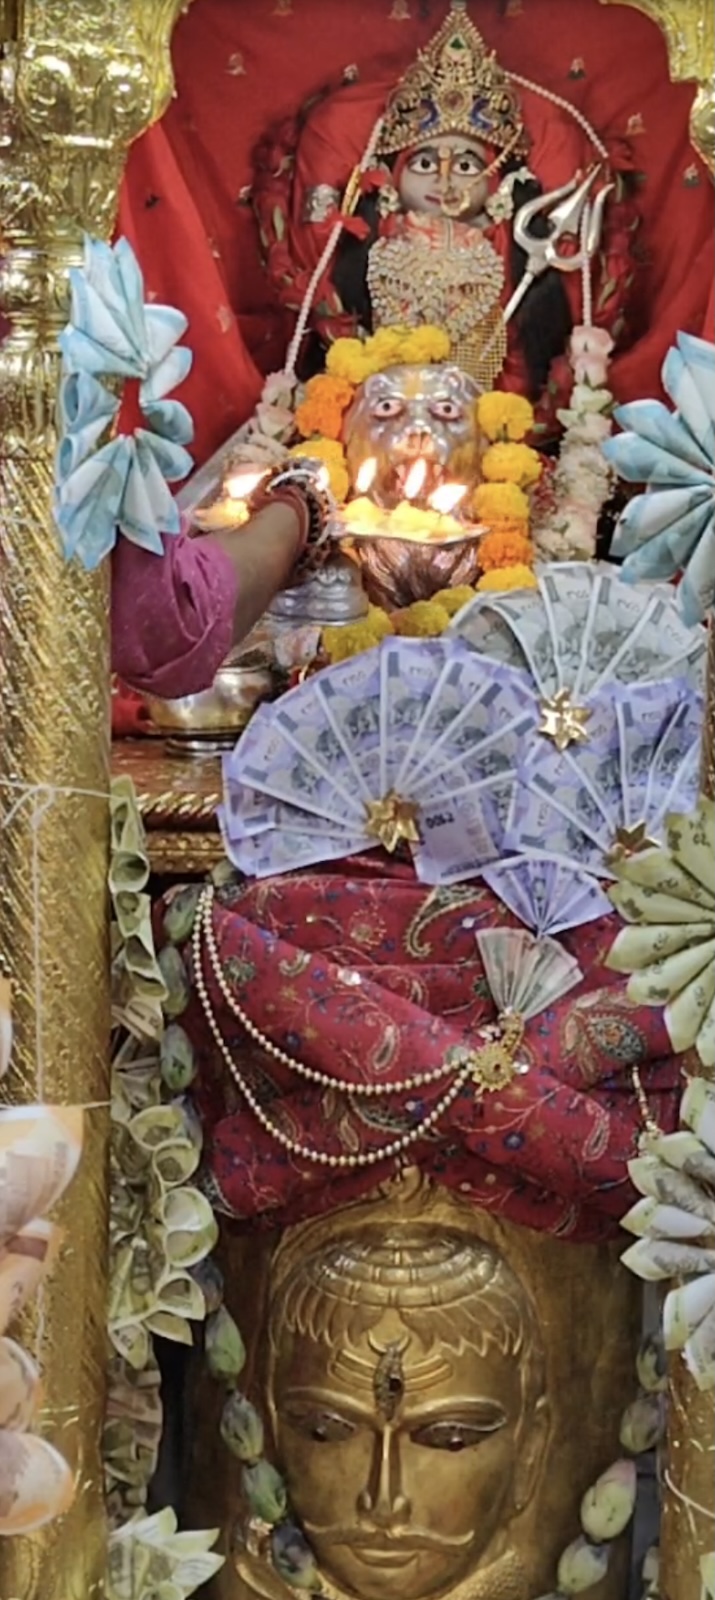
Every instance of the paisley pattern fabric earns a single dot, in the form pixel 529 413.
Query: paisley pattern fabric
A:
pixel 371 978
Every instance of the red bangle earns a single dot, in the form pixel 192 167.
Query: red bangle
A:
pixel 288 495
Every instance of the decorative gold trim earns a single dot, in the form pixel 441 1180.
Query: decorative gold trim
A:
pixel 689 30
pixel 81 79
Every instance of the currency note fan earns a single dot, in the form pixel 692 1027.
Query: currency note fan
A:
pixel 413 745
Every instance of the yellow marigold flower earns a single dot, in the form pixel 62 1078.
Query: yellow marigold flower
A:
pixel 426 619
pixel 453 599
pixel 497 503
pixel 346 359
pixel 505 547
pixel 386 345
pixel 426 344
pixel 504 578
pixel 340 644
pixel 512 463
pixel 504 416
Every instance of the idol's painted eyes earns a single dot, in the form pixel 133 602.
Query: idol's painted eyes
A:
pixel 446 410
pixel 424 162
pixel 323 1427
pixel 466 164
pixel 463 163
pixel 454 1434
pixel 390 406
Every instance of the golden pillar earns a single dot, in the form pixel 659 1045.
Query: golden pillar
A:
pixel 688 1526
pixel 79 80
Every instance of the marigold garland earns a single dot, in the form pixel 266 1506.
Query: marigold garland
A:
pixel 501 503
pixel 512 463
pixel 322 409
pixel 502 579
pixel 354 360
pixel 504 416
pixel 507 547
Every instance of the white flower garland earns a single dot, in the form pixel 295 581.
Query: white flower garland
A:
pixel 583 477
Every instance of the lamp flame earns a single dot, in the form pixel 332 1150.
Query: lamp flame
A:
pixel 447 497
pixel 242 484
pixel 415 480
pixel 366 476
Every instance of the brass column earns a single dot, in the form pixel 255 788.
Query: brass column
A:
pixel 79 80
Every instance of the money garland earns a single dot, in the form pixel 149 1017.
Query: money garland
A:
pixel 670 530
pixel 668 896
pixel 161 1231
pixel 40 1148
pixel 109 482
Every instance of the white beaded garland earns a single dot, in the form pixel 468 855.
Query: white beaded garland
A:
pixel 204 938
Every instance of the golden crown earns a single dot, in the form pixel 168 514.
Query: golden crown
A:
pixel 456 85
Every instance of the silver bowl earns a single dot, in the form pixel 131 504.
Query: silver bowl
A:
pixel 220 713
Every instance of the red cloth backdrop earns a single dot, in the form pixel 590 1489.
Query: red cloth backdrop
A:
pixel 242 66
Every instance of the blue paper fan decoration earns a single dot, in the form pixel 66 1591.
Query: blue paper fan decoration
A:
pixel 671 528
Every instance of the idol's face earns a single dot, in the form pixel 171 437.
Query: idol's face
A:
pixel 400 1484
pixel 445 177
pixel 405 414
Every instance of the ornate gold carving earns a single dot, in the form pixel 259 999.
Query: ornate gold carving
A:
pixel 414 1303
pixel 689 29
pixel 79 80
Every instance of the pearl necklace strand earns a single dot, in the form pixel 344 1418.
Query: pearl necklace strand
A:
pixel 203 939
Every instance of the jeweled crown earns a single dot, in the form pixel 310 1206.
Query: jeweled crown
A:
pixel 456 85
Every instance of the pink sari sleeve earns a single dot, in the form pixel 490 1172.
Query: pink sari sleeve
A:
pixel 172 619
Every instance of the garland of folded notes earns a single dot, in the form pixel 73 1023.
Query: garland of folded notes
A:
pixel 40 1149
pixel 161 1230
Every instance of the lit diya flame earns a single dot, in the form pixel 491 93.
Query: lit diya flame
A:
pixel 447 497
pixel 366 476
pixel 242 484
pixel 415 480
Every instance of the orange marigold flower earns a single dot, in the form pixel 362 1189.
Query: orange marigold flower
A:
pixel 319 416
pixel 334 391
pixel 505 547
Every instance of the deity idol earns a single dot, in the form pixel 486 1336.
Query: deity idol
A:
pixel 412 1407
pixel 439 202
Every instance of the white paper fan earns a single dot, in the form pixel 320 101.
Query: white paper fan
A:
pixel 607 798
pixel 415 741
pixel 526 974
pixel 582 628
pixel 548 896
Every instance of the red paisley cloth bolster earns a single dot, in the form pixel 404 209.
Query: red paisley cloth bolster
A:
pixel 550 1151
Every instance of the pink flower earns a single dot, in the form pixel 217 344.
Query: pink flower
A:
pixel 590 350
pixel 590 341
